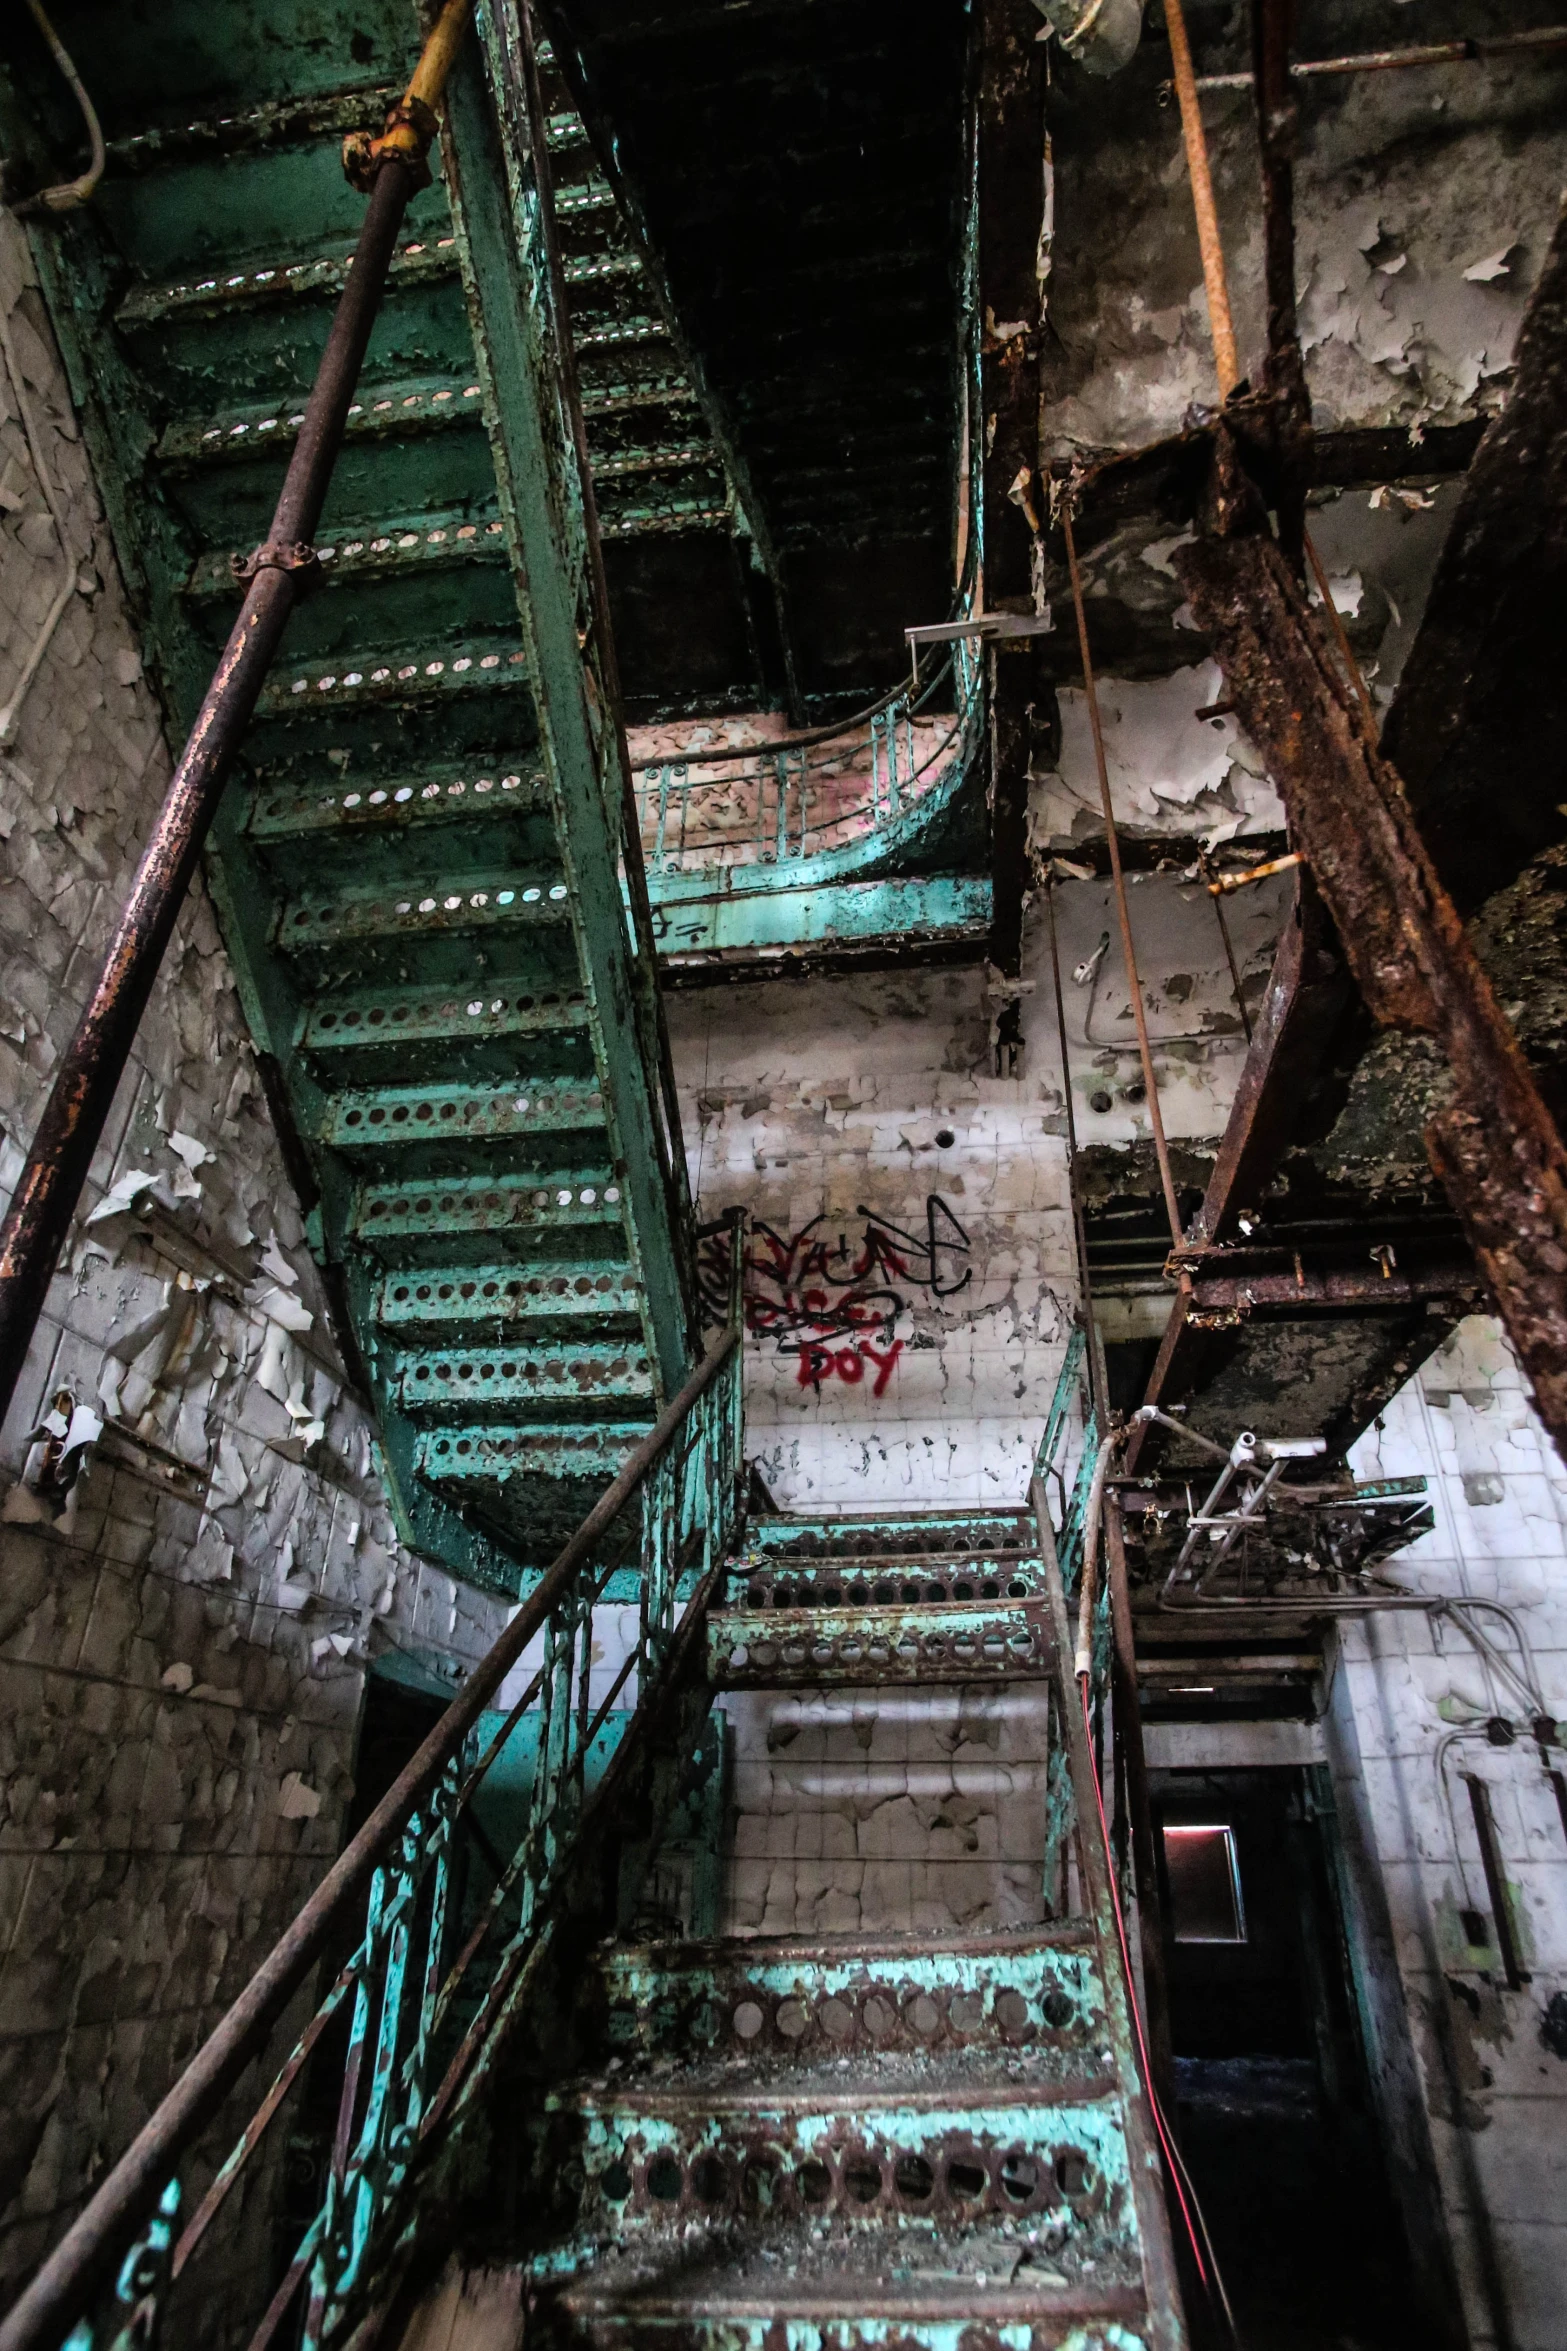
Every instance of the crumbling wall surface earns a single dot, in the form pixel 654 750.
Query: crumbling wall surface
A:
pixel 883 1812
pixel 911 1271
pixel 1419 1713
pixel 196 1561
pixel 910 1251
pixel 1424 202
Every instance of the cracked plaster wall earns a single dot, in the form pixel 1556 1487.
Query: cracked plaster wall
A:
pixel 1492 2062
pixel 182 1656
pixel 821 1103
pixel 1424 201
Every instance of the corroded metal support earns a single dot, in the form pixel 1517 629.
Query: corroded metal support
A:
pixel 1478 725
pixel 1284 372
pixel 1495 1146
pixel 275 576
pixel 1307 993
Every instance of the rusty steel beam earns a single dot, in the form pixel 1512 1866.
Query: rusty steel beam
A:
pixel 1298 1287
pixel 1495 1146
pixel 1478 725
pixel 1284 371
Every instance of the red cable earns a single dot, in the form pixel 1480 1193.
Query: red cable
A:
pixel 1171 2160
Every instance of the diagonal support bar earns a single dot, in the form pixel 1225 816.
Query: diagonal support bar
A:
pixel 1495 1147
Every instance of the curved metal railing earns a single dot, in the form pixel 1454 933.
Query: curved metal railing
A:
pixel 832 790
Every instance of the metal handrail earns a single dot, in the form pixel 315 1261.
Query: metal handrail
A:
pixel 666 789
pixel 136 2191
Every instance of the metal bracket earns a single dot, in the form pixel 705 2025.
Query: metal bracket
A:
pixel 364 152
pixel 280 555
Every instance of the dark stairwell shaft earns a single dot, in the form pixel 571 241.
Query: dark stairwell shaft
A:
pixel 50 1185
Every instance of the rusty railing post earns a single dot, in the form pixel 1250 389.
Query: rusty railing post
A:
pixel 392 169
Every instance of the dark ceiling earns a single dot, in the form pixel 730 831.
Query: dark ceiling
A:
pixel 800 168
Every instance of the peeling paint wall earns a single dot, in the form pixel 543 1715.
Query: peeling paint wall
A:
pixel 1408 1724
pixel 912 1267
pixel 885 1812
pixel 1424 202
pixel 185 1631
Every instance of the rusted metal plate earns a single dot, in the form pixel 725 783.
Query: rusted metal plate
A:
pixel 898 2161
pixel 1495 1147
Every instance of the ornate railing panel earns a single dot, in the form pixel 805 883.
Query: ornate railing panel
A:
pixel 833 794
pixel 439 1968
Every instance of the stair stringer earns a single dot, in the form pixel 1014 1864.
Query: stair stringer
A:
pixel 494 163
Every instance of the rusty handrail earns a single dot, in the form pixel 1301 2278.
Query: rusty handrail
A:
pixel 391 169
pixel 96 2240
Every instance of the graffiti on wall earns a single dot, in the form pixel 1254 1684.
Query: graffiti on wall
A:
pixel 830 1297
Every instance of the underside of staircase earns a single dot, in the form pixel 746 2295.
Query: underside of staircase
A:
pixel 428 877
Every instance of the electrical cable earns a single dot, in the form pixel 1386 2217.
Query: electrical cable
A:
pixel 1180 2178
pixel 69 193
pixel 1113 838
pixel 1074 1189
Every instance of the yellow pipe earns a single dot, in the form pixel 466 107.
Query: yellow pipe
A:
pixel 1201 178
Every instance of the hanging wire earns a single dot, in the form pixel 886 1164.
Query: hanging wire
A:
pixel 1186 2195
pixel 1123 911
pixel 69 193
pixel 1079 1226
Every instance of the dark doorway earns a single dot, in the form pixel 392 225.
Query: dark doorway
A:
pixel 1275 2114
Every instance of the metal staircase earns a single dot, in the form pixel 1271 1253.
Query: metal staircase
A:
pixel 849 2141
pixel 419 866
pixel 427 876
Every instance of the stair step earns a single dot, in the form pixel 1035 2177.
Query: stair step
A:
pixel 632 521
pixel 900 2162
pixel 325 116
pixel 502 902
pixel 428 1129
pixel 802 1648
pixel 368 553
pixel 383 411
pixel 611 1375
pixel 425 677
pixel 415 1033
pixel 612 399
pixel 767 1998
pixel 540 1208
pixel 843 2313
pixel 375 823
pixel 489 1300
pixel 992 1532
pixel 504 1461
pixel 419 261
pixel 912 1577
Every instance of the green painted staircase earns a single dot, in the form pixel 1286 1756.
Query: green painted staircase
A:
pixel 849 2142
pixel 447 969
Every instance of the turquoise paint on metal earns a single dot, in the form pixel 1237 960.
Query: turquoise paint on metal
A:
pixel 724 921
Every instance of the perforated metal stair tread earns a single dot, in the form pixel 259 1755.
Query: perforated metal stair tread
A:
pixel 414 949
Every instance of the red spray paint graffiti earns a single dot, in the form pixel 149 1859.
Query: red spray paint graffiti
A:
pixel 832 1301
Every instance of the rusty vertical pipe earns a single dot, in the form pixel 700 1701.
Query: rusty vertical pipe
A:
pixel 68 1134
pixel 1208 239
